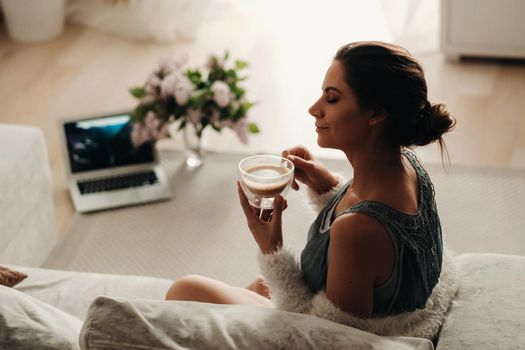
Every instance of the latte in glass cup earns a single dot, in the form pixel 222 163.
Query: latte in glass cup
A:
pixel 262 177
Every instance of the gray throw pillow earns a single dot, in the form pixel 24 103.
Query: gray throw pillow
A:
pixel 28 323
pixel 140 324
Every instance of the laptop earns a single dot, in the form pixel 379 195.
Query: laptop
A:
pixel 108 166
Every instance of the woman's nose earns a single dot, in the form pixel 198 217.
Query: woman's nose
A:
pixel 315 111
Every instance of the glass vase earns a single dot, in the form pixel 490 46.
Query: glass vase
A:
pixel 193 146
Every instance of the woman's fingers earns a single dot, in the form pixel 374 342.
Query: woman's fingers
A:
pixel 249 211
pixel 266 214
pixel 301 163
pixel 299 151
pixel 278 207
pixel 256 214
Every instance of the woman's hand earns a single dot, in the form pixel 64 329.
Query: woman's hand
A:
pixel 309 170
pixel 267 230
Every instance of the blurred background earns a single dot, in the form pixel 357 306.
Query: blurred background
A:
pixel 72 58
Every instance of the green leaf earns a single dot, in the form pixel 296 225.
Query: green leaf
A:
pixel 139 113
pixel 247 105
pixel 195 76
pixel 138 92
pixel 216 74
pixel 240 64
pixel 239 92
pixel 226 56
pixel 136 116
pixel 214 61
pixel 199 99
pixel 238 114
pixel 252 127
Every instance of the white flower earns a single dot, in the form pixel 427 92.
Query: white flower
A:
pixel 152 83
pixel 195 115
pixel 151 128
pixel 241 129
pixel 221 93
pixel 178 86
pixel 139 134
pixel 151 122
pixel 167 86
pixel 172 62
pixel 183 90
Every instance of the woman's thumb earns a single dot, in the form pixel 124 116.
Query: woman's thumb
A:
pixel 300 162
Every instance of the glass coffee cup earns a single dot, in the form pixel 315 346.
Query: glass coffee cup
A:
pixel 262 177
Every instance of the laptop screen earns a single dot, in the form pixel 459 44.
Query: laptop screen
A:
pixel 105 142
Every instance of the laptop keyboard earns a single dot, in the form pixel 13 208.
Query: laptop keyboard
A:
pixel 118 182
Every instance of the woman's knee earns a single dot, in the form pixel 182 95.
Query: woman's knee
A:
pixel 191 288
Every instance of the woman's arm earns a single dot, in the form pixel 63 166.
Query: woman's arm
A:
pixel 353 267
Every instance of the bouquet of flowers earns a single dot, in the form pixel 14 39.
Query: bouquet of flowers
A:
pixel 211 96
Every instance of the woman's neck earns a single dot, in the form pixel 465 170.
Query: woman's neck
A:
pixel 374 168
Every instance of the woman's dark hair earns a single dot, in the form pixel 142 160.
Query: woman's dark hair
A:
pixel 386 78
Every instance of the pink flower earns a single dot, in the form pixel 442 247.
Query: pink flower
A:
pixel 167 85
pixel 177 85
pixel 139 134
pixel 152 122
pixel 172 62
pixel 221 93
pixel 152 83
pixel 241 129
pixel 183 90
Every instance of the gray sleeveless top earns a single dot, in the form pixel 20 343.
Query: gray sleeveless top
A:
pixel 417 241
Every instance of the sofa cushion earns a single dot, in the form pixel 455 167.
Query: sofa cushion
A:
pixel 27 323
pixel 10 277
pixel 27 228
pixel 139 324
pixel 488 312
pixel 72 291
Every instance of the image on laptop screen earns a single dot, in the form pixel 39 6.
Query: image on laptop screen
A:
pixel 105 142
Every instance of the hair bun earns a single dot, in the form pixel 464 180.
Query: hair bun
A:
pixel 436 120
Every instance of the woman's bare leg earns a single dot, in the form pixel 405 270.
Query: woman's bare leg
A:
pixel 209 290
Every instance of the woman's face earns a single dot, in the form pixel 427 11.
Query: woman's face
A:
pixel 339 121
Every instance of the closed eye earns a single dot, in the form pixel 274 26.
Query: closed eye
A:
pixel 331 99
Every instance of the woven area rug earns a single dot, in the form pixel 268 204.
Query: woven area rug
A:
pixel 202 229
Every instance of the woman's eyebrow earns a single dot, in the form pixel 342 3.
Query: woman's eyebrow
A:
pixel 329 88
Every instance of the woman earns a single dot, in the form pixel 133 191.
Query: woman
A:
pixel 374 254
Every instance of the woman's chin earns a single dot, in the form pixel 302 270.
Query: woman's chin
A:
pixel 322 143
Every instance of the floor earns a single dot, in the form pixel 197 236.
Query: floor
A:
pixel 87 71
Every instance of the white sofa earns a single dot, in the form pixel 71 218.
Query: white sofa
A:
pixel 489 312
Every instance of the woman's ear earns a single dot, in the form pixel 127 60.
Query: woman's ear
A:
pixel 376 117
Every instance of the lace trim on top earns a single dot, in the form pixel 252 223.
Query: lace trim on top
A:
pixel 418 231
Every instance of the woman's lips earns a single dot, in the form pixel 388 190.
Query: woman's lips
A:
pixel 320 128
